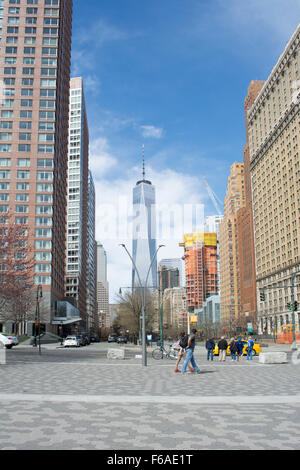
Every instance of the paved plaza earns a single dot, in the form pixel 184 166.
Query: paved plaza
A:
pixel 78 399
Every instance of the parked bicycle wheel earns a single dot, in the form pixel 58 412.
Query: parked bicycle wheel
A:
pixel 157 353
pixel 173 354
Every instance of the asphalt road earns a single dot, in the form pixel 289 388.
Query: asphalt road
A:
pixel 56 353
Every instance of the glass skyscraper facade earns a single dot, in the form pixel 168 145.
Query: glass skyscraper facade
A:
pixel 144 234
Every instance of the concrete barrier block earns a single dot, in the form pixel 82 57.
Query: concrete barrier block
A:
pixel 116 353
pixel 2 353
pixel 273 358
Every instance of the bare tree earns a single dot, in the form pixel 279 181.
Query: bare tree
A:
pixel 130 308
pixel 16 272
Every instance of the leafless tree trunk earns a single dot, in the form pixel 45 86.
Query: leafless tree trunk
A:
pixel 16 272
pixel 130 308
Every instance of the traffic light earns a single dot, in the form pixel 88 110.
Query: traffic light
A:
pixel 262 296
pixel 295 306
pixel 289 306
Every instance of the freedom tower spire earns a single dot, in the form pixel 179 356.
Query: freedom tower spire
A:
pixel 144 230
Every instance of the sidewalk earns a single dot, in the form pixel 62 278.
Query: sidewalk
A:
pixel 93 403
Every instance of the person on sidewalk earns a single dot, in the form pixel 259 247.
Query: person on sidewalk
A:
pixel 222 345
pixel 250 348
pixel 240 348
pixel 233 349
pixel 189 358
pixel 181 354
pixel 210 346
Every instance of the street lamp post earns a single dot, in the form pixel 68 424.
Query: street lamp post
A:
pixel 143 315
pixel 39 294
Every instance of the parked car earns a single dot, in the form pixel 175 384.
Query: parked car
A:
pixel 8 340
pixel 94 339
pixel 112 338
pixel 71 341
pixel 82 340
pixel 122 339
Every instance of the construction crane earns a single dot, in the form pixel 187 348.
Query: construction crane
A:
pixel 213 197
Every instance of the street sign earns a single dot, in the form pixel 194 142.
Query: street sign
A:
pixel 193 318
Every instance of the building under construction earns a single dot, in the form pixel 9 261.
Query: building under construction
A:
pixel 201 268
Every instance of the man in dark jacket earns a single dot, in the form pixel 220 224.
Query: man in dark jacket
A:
pixel 240 348
pixel 210 346
pixel 222 345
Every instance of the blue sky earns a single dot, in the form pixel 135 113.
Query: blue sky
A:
pixel 172 75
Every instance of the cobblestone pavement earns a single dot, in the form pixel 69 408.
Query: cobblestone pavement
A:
pixel 84 401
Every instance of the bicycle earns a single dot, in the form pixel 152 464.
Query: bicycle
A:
pixel 169 353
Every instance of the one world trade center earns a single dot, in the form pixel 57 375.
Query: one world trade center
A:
pixel 144 233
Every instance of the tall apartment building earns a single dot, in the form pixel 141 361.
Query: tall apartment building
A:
pixel 245 230
pixel 35 73
pixel 91 297
pixel 201 271
pixel 229 259
pixel 78 199
pixel 102 288
pixel 274 128
pixel 174 308
pixel 168 277
pixel 174 263
pixel 211 225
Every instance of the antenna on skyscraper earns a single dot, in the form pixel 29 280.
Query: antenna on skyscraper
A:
pixel 144 172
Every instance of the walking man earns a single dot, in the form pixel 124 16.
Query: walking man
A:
pixel 181 353
pixel 190 353
pixel 222 345
pixel 210 346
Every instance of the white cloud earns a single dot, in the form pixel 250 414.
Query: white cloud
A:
pixel 174 190
pixel 152 131
pixel 274 18
pixel 101 160
pixel 92 84
pixel 103 31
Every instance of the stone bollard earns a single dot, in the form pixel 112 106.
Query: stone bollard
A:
pixel 116 354
pixel 2 354
pixel 273 358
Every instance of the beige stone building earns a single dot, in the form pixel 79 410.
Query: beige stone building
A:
pixel 174 308
pixel 274 133
pixel 229 260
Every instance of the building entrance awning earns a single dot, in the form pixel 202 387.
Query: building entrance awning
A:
pixel 66 321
